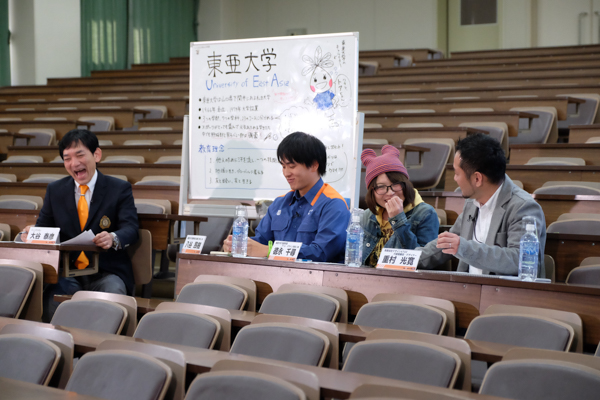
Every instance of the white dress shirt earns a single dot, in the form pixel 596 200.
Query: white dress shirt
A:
pixel 482 223
pixel 88 195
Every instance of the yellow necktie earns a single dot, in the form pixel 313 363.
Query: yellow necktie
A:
pixel 83 211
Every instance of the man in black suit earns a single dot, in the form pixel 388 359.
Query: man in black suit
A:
pixel 112 217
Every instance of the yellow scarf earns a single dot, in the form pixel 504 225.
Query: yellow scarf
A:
pixel 387 231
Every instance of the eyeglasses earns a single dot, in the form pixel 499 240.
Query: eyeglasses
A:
pixel 383 189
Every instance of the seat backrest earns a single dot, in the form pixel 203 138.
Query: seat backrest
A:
pixel 572 188
pixel 221 315
pixel 28 358
pixel 541 379
pixel 575 226
pixel 160 180
pixel 44 178
pixel 570 318
pixel 305 380
pixel 556 161
pixel 443 305
pixel 124 159
pixel 420 125
pixel 179 327
pixel 95 315
pixel 428 172
pixel 407 360
pixel 283 342
pixel 37 200
pixel 543 129
pixel 215 294
pixel 128 302
pixel 404 315
pixel 41 136
pixel 442 216
pixel 247 284
pixel 329 329
pixel 8 178
pixel 153 206
pixel 168 159
pixel 140 255
pixel 301 304
pixel 589 261
pixel 173 358
pixel 101 123
pixel 142 142
pixel 16 284
pixel 242 385
pixel 472 109
pixel 63 340
pixel 32 309
pixel 100 373
pixel 5 232
pixel 415 111
pixel 581 114
pixel 371 391
pixel 339 294
pixel 550 266
pixel 496 130
pixel 593 140
pixel 584 275
pixel 521 330
pixel 24 159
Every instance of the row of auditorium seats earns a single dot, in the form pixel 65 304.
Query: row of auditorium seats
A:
pixel 380 354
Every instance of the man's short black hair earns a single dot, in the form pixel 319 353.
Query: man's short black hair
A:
pixel 481 153
pixel 302 148
pixel 75 136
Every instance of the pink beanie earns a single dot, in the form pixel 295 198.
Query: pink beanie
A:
pixel 388 161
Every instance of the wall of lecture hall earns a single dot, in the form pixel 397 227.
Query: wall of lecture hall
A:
pixel 46 33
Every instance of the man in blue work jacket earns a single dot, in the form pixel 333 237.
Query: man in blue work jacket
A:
pixel 313 212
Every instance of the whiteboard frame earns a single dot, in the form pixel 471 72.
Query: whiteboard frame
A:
pixel 228 210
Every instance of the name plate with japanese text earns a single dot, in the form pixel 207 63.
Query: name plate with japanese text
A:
pixel 285 251
pixel 193 244
pixel 40 235
pixel 402 259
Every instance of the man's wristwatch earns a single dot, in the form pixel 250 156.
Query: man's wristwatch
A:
pixel 116 242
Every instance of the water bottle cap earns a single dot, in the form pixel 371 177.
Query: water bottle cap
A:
pixel 530 227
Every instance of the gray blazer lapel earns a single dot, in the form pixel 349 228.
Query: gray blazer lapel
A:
pixel 498 216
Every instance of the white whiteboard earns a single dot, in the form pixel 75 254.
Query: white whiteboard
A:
pixel 247 95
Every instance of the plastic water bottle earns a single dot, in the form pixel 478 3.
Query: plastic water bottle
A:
pixel 239 245
pixel 354 240
pixel 528 254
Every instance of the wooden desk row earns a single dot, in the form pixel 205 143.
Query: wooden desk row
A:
pixel 491 92
pixel 520 64
pixel 511 118
pixel 160 85
pixel 560 103
pixel 134 172
pixel 92 95
pixel 123 117
pixel 151 153
pixel 506 72
pixel 471 295
pixel 175 106
pixel 521 153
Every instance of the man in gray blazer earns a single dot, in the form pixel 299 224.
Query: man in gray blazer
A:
pixel 486 236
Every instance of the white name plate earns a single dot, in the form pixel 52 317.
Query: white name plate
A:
pixel 193 244
pixel 285 251
pixel 402 259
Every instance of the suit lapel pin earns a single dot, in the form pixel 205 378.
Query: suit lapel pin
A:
pixel 104 222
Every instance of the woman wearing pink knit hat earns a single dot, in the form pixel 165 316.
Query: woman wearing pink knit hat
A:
pixel 397 216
